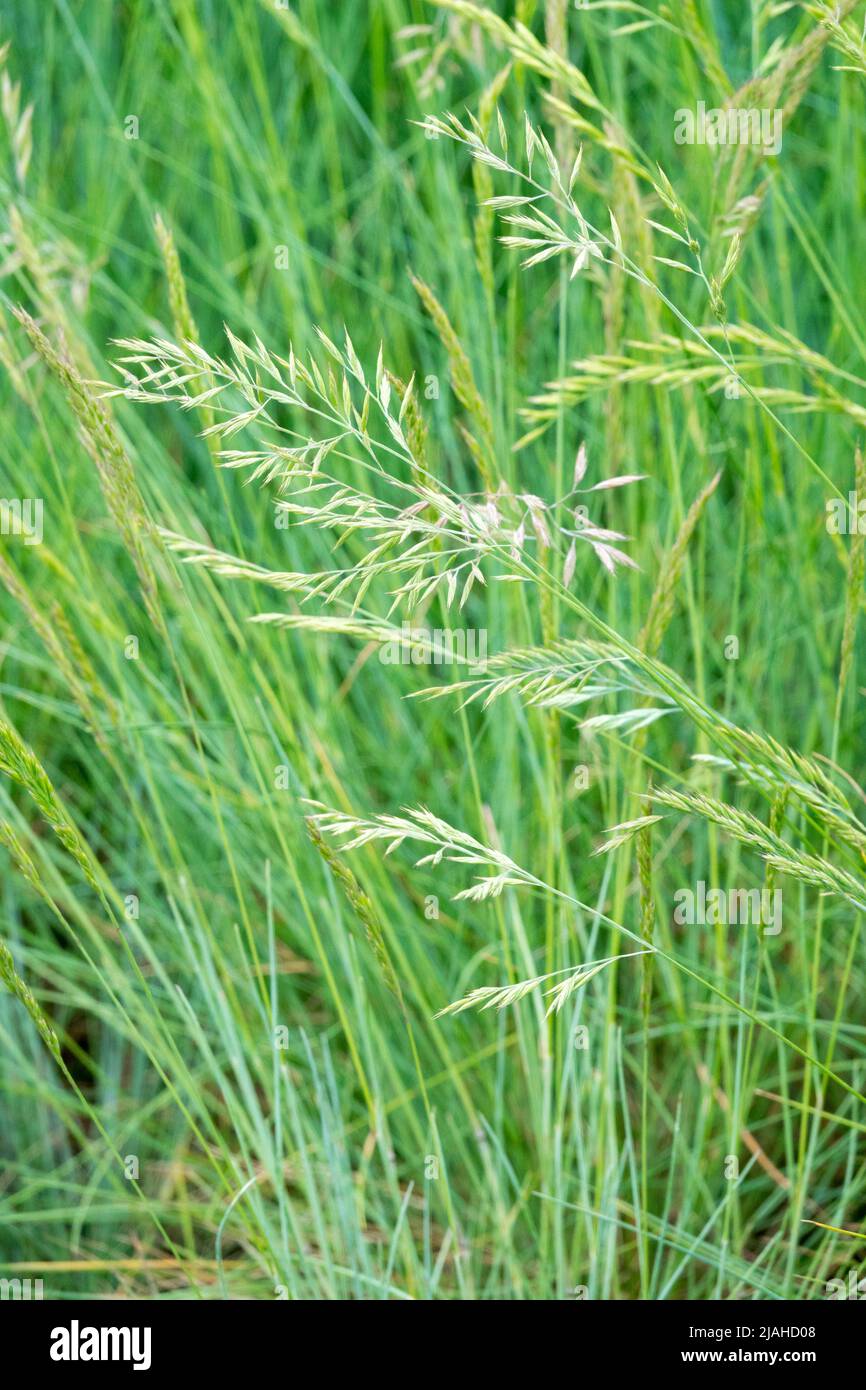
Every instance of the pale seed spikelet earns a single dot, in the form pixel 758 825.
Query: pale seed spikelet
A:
pixel 9 360
pixel 62 646
pixel 502 996
pixel 525 48
pixel 415 426
pixel 22 861
pixel 782 87
pixel 645 875
pixel 21 764
pixel 14 983
pixel 34 264
pixel 463 382
pixel 662 602
pixel 423 517
pixel 361 903
pixel 184 324
pixel 745 827
pixel 478 453
pixel 444 842
pixel 788 80
pixel 668 362
pixel 847 37
pixel 42 263
pixel 100 438
pixel 82 661
pixel 95 702
pixel 777 816
pixel 704 44
pixel 19 123
pixel 483 182
pixel 624 832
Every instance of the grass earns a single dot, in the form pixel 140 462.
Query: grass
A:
pixel 333 972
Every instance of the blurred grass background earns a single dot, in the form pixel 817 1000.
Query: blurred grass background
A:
pixel 379 1153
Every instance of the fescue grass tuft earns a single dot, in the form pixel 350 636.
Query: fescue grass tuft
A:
pixel 341 958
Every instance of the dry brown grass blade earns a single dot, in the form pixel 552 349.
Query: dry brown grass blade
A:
pixel 746 1135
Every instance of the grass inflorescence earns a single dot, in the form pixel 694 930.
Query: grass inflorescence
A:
pixel 449 555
